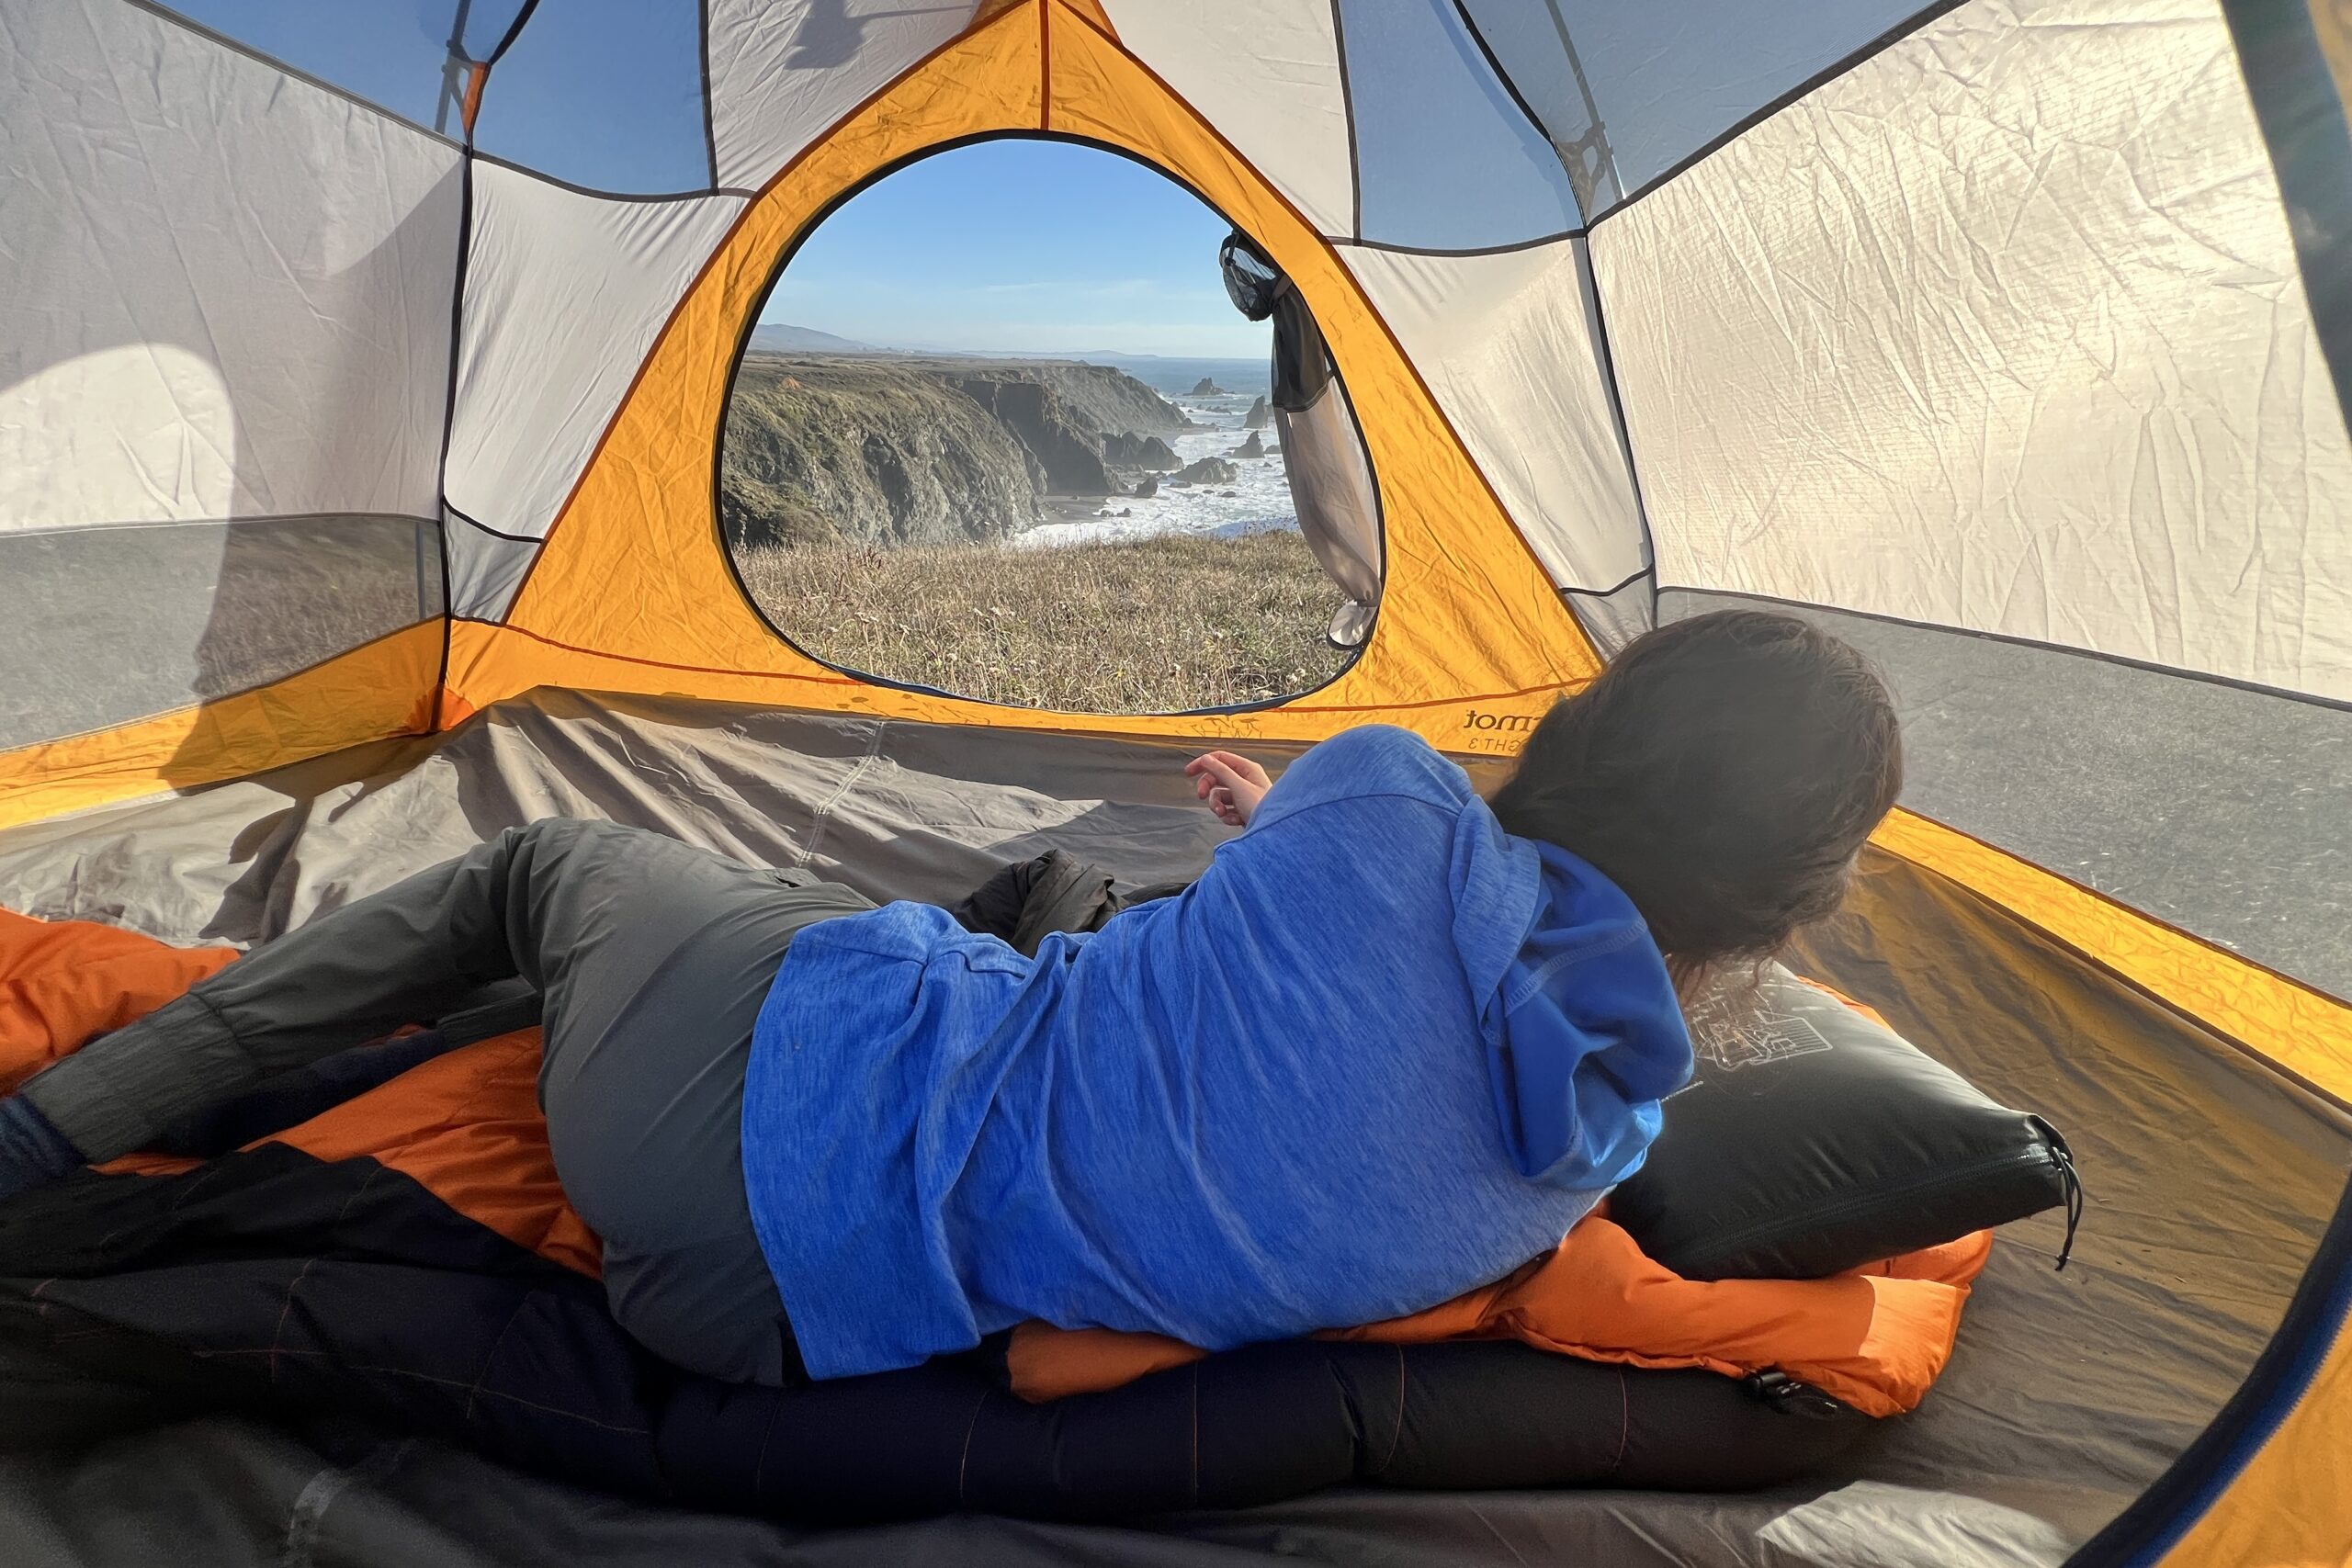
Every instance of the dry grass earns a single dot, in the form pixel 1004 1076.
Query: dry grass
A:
pixel 1149 627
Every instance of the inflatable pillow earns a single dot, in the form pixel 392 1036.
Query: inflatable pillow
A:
pixel 1813 1139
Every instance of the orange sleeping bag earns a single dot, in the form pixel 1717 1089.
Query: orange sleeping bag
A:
pixel 467 1126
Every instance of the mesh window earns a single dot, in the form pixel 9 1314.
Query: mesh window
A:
pixel 102 625
pixel 1668 80
pixel 2218 809
pixel 394 54
pixel 605 93
pixel 1445 159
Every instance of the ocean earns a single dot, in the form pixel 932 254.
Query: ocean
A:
pixel 1257 500
pixel 1177 377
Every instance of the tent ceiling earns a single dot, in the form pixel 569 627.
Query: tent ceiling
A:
pixel 782 72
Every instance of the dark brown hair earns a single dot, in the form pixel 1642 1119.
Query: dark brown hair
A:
pixel 1723 771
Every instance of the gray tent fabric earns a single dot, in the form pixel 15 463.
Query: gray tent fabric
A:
pixel 2068 1395
pixel 104 625
pixel 2218 810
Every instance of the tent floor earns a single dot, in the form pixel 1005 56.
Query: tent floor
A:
pixel 2210 1179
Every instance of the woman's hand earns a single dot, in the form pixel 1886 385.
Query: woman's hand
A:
pixel 1232 785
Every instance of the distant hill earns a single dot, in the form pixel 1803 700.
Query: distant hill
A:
pixel 780 337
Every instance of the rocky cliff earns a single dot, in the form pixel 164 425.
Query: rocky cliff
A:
pixel 1111 399
pixel 908 450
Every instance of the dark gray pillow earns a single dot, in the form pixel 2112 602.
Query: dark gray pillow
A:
pixel 1812 1141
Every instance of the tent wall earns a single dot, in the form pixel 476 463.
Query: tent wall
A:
pixel 1266 74
pixel 2213 808
pixel 225 327
pixel 1508 347
pixel 227 292
pixel 1444 159
pixel 2002 329
pixel 1641 90
pixel 782 73
pixel 602 96
pixel 600 328
pixel 535 388
pixel 633 590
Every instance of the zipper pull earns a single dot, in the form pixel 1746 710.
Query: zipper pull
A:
pixel 2064 1158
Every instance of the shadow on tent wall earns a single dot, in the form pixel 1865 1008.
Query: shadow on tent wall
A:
pixel 188 650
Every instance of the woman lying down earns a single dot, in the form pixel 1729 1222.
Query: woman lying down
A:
pixel 1392 1043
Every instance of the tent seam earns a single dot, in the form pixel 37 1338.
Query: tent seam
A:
pixel 2207 677
pixel 1588 287
pixel 1560 685
pixel 1536 243
pixel 126 523
pixel 479 526
pixel 2301 112
pixel 1347 112
pixel 709 102
pixel 695 194
pixel 449 420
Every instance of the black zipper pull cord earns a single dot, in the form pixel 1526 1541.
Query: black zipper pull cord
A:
pixel 2064 1157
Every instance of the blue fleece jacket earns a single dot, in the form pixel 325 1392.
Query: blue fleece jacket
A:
pixel 1380 1052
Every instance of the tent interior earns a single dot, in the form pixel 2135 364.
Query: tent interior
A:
pixel 360 394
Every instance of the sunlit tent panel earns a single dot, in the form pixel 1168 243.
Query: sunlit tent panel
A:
pixel 2006 337
pixel 2057 254
pixel 781 76
pixel 1507 342
pixel 1266 74
pixel 539 259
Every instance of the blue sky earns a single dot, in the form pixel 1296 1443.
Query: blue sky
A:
pixel 1021 245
